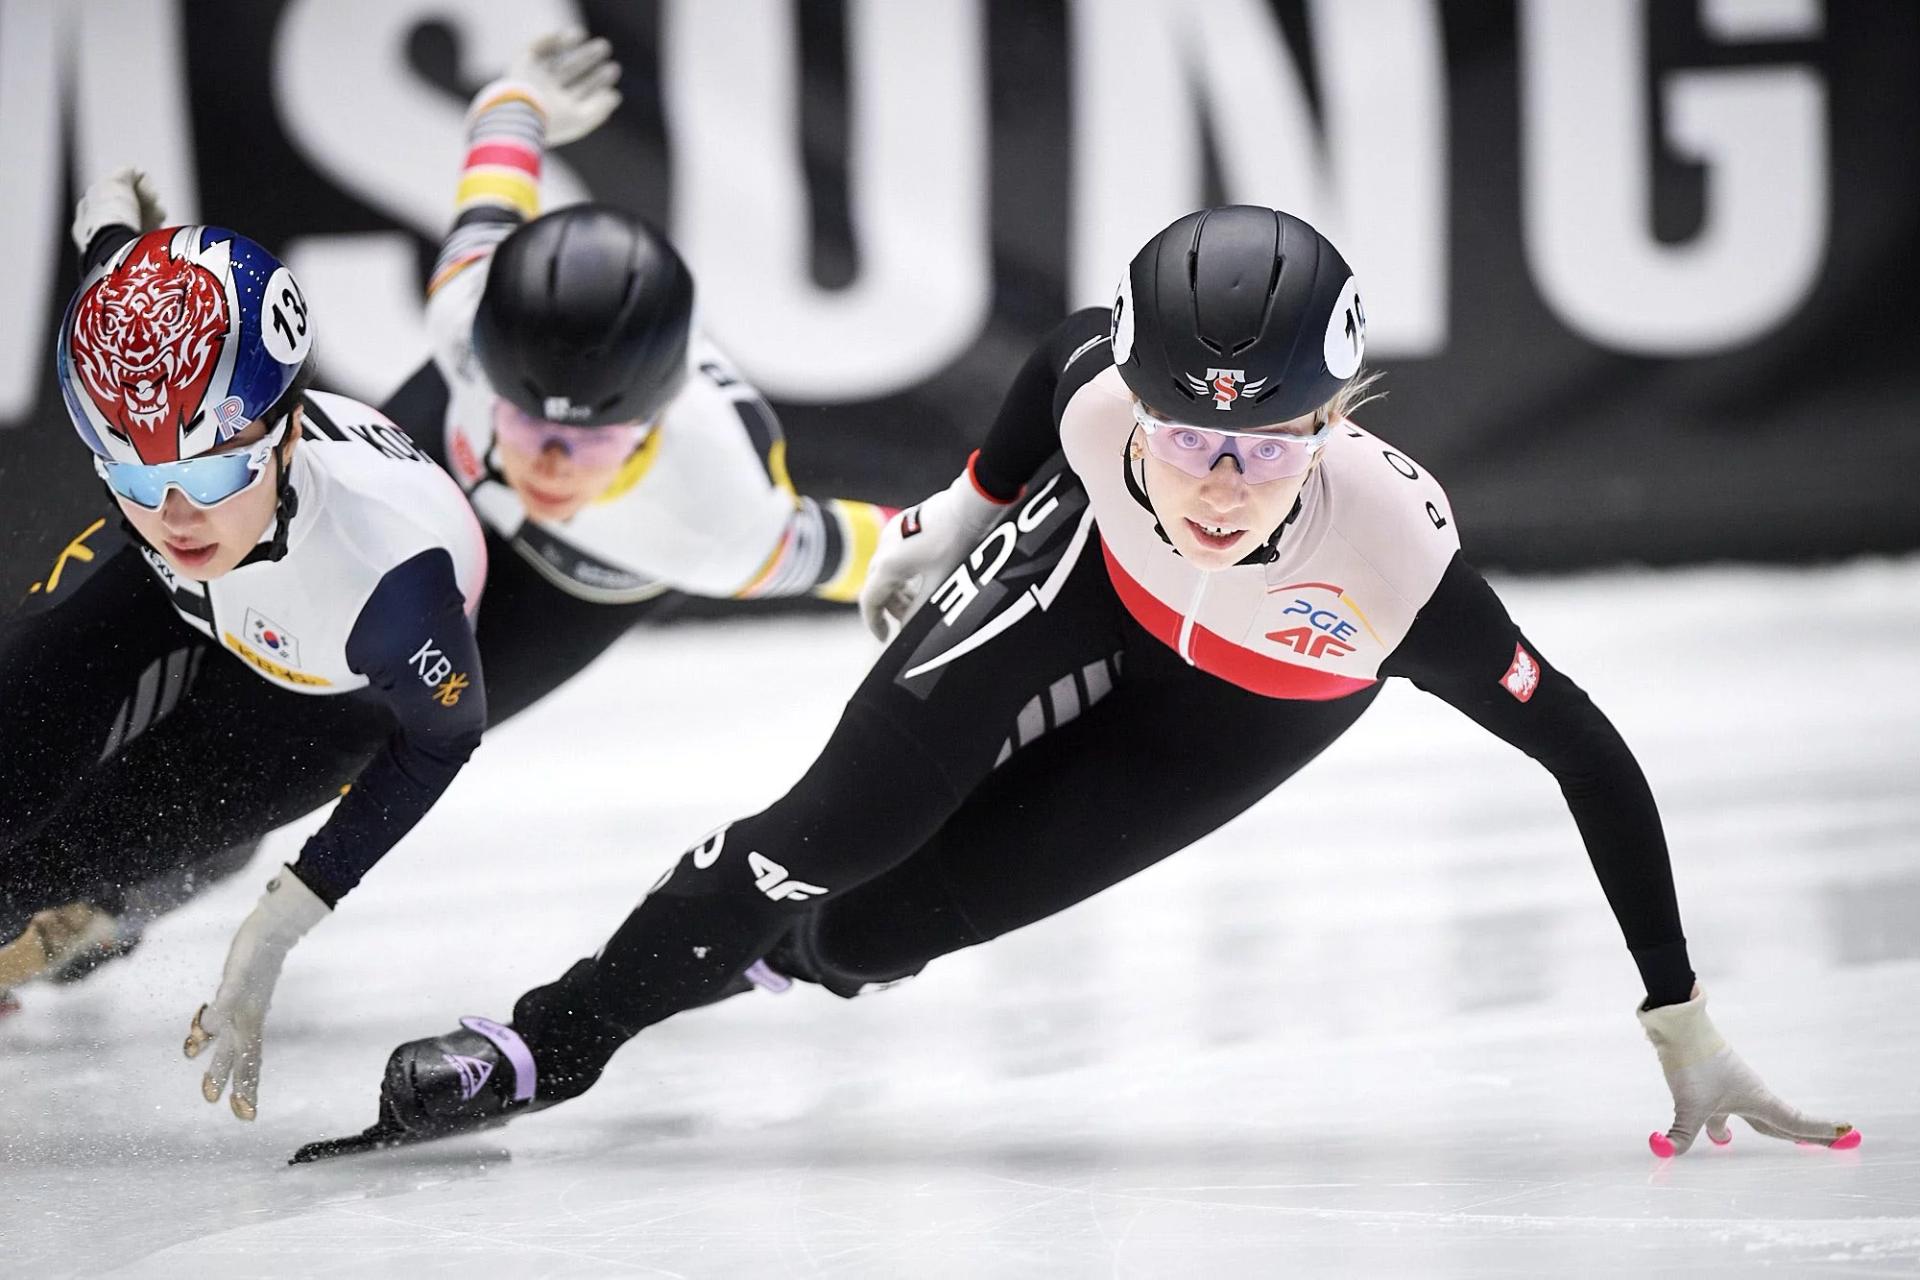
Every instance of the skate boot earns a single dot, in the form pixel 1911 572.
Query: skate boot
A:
pixel 465 1079
pixel 475 1077
pixel 108 938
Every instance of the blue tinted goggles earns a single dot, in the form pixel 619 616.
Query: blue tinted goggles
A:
pixel 206 481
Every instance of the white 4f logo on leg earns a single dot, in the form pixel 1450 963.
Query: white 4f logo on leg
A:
pixel 771 879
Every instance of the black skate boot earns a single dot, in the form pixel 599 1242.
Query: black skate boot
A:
pixel 476 1077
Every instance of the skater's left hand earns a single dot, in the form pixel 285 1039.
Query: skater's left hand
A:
pixel 573 77
pixel 1710 1082
pixel 124 198
pixel 234 1023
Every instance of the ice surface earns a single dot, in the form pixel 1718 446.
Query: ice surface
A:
pixel 1379 1026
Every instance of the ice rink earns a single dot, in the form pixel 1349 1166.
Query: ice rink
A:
pixel 1380 1026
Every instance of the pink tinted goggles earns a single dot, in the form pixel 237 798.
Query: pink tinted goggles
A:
pixel 587 446
pixel 1262 456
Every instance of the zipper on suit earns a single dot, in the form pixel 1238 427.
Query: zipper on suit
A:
pixel 1185 646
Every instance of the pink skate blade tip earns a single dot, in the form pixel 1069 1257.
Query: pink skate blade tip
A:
pixel 1662 1145
pixel 1847 1142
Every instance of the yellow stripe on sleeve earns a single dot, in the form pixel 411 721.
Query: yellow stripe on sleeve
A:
pixel 499 186
pixel 862 523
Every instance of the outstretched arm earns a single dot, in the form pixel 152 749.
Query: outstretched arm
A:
pixel 1026 430
pixel 560 89
pixel 825 552
pixel 1465 649
pixel 415 644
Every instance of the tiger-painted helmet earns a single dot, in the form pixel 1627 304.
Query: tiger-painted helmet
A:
pixel 178 342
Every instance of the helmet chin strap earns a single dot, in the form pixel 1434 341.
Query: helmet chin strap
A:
pixel 286 505
pixel 1266 553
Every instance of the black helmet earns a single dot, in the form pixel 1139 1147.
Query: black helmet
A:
pixel 585 318
pixel 1241 310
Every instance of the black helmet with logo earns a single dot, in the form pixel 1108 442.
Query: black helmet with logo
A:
pixel 1242 316
pixel 585 318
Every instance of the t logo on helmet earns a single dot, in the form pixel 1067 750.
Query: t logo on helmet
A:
pixel 1225 386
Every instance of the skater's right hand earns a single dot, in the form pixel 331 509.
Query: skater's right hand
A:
pixel 124 198
pixel 573 77
pixel 234 1022
pixel 1710 1082
pixel 921 545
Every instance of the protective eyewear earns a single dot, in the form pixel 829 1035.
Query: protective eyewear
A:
pixel 1263 455
pixel 587 446
pixel 205 481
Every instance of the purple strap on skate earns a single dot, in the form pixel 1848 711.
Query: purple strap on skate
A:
pixel 509 1043
pixel 767 978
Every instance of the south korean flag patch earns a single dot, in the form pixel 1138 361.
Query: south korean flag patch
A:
pixel 271 640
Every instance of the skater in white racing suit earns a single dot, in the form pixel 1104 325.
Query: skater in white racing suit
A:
pixel 278 612
pixel 619 461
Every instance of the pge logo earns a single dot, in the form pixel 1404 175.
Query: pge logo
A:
pixel 1323 631
pixel 962 586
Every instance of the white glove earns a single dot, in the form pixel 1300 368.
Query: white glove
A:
pixel 1710 1082
pixel 124 198
pixel 920 546
pixel 573 77
pixel 236 1020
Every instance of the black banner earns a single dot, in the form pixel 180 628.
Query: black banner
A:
pixel 1641 272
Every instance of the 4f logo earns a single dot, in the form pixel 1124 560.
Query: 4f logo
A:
pixel 447 694
pixel 771 879
pixel 1225 386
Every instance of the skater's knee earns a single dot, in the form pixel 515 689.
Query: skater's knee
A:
pixel 870 941
pixel 800 956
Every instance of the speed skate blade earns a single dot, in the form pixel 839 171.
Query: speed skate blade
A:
pixel 382 1136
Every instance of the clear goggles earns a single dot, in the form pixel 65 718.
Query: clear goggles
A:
pixel 205 481
pixel 1263 455
pixel 587 446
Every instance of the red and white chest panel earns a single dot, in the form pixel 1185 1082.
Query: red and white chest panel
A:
pixel 1372 539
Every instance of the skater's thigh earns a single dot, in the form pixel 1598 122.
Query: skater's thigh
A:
pixel 946 700
pixel 1003 643
pixel 238 758
pixel 99 659
pixel 1161 764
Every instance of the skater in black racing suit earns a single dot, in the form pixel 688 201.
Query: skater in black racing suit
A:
pixel 1175 573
